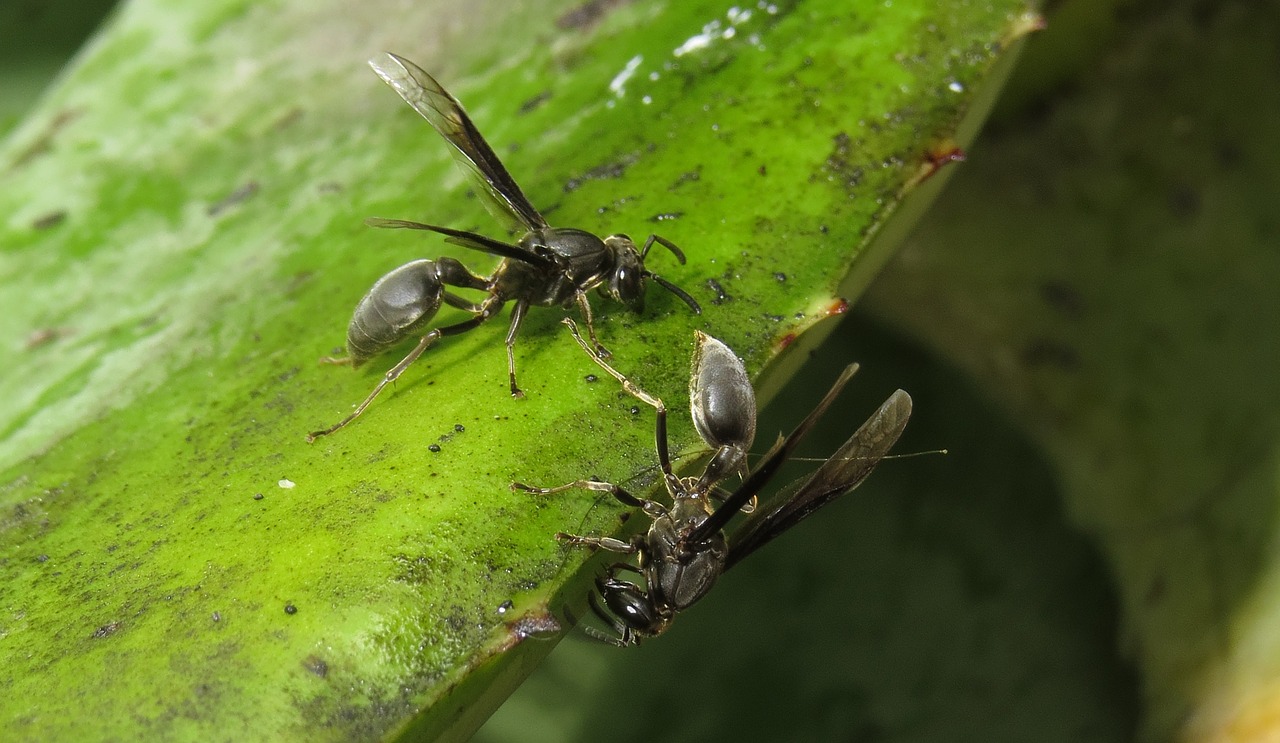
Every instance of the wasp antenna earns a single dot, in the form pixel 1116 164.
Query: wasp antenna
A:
pixel 681 293
pixel 664 242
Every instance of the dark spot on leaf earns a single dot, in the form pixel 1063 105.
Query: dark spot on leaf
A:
pixel 290 117
pixel 316 665
pixel 290 609
pixel 839 165
pixel 586 15
pixel 607 171
pixel 687 177
pixel 106 630
pixel 434 448
pixel 534 102
pixel 44 142
pixel 45 336
pixel 233 198
pixel 720 296
pixel 258 496
pixel 52 219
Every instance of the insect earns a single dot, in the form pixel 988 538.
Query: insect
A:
pixel 685 549
pixel 547 267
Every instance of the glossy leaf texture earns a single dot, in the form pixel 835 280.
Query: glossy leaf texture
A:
pixel 183 239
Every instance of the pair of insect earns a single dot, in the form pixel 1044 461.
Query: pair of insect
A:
pixel 685 548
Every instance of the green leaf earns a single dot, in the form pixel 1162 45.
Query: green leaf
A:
pixel 183 240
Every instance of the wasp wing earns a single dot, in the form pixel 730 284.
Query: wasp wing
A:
pixel 495 186
pixel 844 471
pixel 468 240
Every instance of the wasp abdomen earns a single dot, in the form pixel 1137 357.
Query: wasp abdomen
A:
pixel 399 304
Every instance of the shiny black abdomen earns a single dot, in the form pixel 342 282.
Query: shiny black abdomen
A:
pixel 401 303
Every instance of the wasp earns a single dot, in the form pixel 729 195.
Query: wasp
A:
pixel 547 267
pixel 686 549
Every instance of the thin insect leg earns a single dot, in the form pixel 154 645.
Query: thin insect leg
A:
pixel 604 543
pixel 336 360
pixel 618 566
pixel 721 495
pixel 653 508
pixel 585 306
pixel 398 369
pixel 517 316
pixel 627 384
pixel 660 434
pixel 454 300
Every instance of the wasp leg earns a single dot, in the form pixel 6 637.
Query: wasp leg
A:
pixel 463 304
pixel 653 508
pixel 517 317
pixel 487 310
pixel 721 495
pixel 660 434
pixel 604 543
pixel 585 306
pixel 627 384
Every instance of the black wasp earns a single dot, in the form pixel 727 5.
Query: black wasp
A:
pixel 685 549
pixel 548 267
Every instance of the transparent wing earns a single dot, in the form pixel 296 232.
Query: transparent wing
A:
pixel 495 186
pixel 844 471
